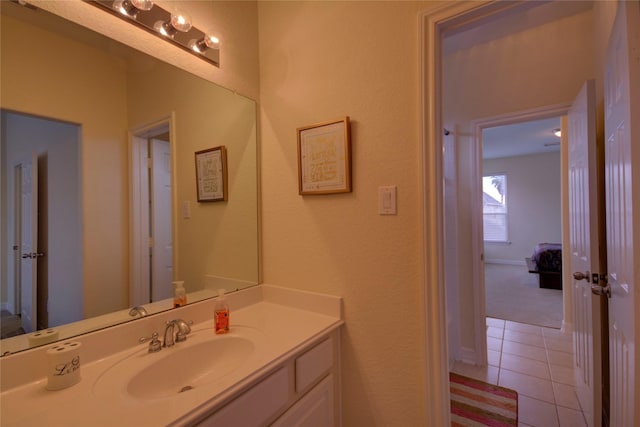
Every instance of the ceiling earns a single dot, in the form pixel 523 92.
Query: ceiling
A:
pixel 516 17
pixel 521 139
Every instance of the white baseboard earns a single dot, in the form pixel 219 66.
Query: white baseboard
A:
pixel 505 262
pixel 468 355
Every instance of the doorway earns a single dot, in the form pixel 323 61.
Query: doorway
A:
pixel 42 242
pixel 522 221
pixel 152 190
pixel 485 90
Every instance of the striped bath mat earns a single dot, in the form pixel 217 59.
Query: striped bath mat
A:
pixel 475 403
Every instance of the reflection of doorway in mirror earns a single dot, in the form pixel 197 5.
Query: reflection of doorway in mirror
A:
pixel 160 217
pixel 42 247
pixel 152 218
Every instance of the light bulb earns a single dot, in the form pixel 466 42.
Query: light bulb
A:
pixel 131 8
pixel 212 41
pixel 181 21
pixel 207 42
pixel 557 132
pixel 142 4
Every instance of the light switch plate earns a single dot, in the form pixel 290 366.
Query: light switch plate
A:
pixel 186 209
pixel 387 200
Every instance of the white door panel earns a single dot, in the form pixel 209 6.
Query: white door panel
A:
pixel 29 243
pixel 622 153
pixel 584 251
pixel 162 258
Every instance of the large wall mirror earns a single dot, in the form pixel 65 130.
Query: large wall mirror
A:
pixel 98 194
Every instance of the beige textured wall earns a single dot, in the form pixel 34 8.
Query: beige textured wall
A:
pixel 533 204
pixel 321 61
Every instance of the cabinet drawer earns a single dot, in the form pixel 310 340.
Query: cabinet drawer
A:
pixel 252 408
pixel 313 364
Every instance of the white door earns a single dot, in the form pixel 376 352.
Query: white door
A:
pixel 140 292
pixel 29 243
pixel 584 250
pixel 622 154
pixel 162 247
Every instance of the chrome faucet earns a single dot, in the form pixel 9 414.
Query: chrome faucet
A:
pixel 138 309
pixel 181 335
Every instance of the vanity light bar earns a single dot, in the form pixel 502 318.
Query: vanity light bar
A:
pixel 162 23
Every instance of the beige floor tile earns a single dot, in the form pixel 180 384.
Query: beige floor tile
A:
pixel 537 413
pixel 526 366
pixel 498 323
pixel 493 358
pixel 524 350
pixel 527 385
pixel 494 344
pixel 565 396
pixel 557 333
pixel 487 374
pixel 494 332
pixel 524 338
pixel 561 374
pixel 559 344
pixel 560 358
pixel 523 327
pixel 571 418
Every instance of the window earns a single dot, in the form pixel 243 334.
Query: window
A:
pixel 494 207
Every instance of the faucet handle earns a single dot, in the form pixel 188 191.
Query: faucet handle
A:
pixel 183 329
pixel 154 343
pixel 138 309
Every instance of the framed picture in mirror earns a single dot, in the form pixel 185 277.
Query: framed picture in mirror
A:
pixel 211 174
pixel 324 158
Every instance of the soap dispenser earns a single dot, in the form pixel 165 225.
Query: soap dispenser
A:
pixel 179 294
pixel 221 310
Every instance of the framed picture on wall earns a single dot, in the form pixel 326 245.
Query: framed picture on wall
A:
pixel 211 174
pixel 324 158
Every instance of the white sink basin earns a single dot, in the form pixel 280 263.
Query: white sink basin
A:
pixel 204 358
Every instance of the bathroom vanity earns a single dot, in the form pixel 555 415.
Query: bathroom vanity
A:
pixel 279 365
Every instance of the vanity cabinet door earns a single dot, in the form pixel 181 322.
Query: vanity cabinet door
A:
pixel 262 402
pixel 314 409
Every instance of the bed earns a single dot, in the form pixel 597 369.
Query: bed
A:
pixel 546 262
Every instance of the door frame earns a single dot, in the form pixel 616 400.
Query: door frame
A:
pixel 138 256
pixel 478 126
pixel 433 23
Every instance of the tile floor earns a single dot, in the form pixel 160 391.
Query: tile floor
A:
pixel 536 362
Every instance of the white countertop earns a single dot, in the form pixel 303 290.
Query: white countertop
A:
pixel 286 319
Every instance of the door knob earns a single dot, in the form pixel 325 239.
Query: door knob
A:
pixel 601 290
pixel 578 275
pixel 33 255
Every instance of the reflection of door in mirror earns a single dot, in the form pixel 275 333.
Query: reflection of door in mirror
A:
pixel 26 230
pixel 41 247
pixel 152 247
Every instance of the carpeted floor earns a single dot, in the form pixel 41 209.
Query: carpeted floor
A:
pixel 475 403
pixel 512 293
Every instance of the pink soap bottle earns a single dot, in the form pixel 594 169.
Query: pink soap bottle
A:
pixel 221 317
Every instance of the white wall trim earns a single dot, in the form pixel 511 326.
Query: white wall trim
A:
pixel 436 368
pixel 469 356
pixel 139 212
pixel 478 127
